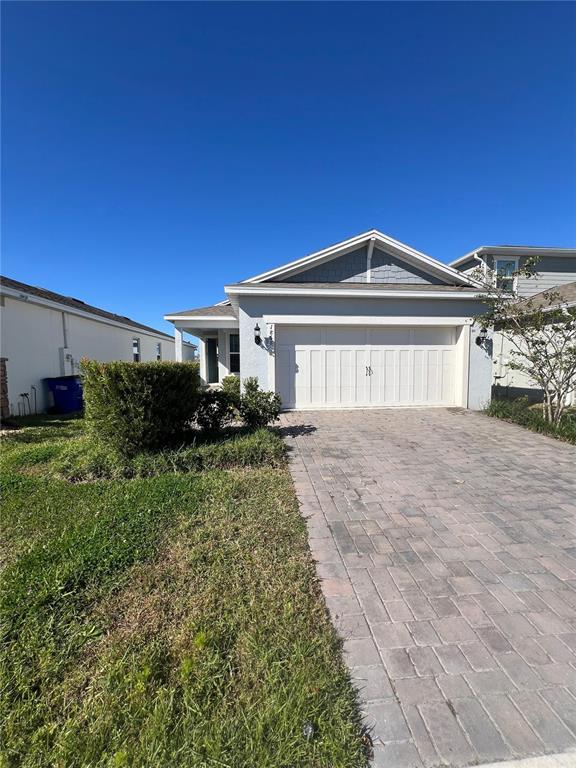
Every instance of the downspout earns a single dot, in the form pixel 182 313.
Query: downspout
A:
pixel 63 352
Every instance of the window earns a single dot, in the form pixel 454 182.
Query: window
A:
pixel 234 353
pixel 505 274
pixel 159 351
pixel 136 350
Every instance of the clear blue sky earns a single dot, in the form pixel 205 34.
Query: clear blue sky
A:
pixel 154 151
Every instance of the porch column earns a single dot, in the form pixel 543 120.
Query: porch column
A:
pixel 202 358
pixel 223 341
pixel 178 344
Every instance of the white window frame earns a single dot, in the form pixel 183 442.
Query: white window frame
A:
pixel 514 259
pixel 158 351
pixel 230 353
pixel 136 349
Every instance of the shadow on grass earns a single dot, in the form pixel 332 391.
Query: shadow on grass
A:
pixel 37 428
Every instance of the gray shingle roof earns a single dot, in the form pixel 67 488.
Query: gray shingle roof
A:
pixel 218 310
pixel 69 301
pixel 552 296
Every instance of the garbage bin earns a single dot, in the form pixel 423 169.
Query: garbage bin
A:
pixel 67 393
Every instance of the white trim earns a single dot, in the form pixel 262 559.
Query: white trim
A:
pixel 363 407
pixel 30 298
pixel 512 250
pixel 278 289
pixel 369 260
pixel 178 345
pixel 192 324
pixel 193 318
pixel 494 271
pixel 365 320
pixel 405 252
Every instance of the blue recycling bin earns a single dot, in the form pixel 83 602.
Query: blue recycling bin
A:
pixel 67 393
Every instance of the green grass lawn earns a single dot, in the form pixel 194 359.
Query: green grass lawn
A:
pixel 171 620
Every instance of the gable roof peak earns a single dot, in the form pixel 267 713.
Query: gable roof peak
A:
pixel 395 247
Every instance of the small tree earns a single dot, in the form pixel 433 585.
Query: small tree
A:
pixel 542 333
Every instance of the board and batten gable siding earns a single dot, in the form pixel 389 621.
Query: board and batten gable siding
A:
pixel 352 268
pixel 349 268
pixel 388 269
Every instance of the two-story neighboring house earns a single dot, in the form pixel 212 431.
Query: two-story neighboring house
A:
pixel 554 268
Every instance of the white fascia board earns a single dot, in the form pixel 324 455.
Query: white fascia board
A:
pixel 38 301
pixel 365 320
pixel 189 324
pixel 193 318
pixel 278 290
pixel 512 250
pixel 311 258
pixel 405 252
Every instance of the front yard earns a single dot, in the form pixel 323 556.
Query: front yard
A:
pixel 163 620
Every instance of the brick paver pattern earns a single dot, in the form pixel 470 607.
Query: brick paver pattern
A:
pixel 445 542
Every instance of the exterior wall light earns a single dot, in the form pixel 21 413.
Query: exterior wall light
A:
pixel 257 336
pixel 482 336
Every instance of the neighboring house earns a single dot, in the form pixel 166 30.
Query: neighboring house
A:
pixel 555 268
pixel 45 334
pixel 366 322
pixel 518 382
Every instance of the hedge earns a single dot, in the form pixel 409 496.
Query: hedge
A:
pixel 132 407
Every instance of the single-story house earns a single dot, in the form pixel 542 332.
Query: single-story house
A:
pixel 45 334
pixel 367 322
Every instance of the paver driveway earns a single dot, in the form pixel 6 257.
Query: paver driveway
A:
pixel 446 545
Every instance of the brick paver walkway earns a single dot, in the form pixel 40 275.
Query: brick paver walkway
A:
pixel 446 546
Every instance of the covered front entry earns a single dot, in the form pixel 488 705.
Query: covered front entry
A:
pixel 363 366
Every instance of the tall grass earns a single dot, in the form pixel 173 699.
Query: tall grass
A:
pixel 172 621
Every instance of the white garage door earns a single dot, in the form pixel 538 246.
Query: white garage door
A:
pixel 360 366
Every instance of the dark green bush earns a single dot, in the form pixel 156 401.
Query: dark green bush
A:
pixel 520 411
pixel 258 408
pixel 231 385
pixel 214 411
pixel 131 407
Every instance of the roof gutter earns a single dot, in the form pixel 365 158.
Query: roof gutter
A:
pixel 265 289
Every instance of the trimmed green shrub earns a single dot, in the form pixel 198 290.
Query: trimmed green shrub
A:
pixel 258 408
pixel 131 407
pixel 214 411
pixel 231 385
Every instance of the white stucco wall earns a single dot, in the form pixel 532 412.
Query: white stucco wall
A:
pixel 505 377
pixel 32 337
pixel 252 309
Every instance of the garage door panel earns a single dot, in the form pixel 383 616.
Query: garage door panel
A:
pixel 286 380
pixel 353 370
pixel 344 337
pixel 317 376
pixel 433 336
pixel 301 376
pixel 389 336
